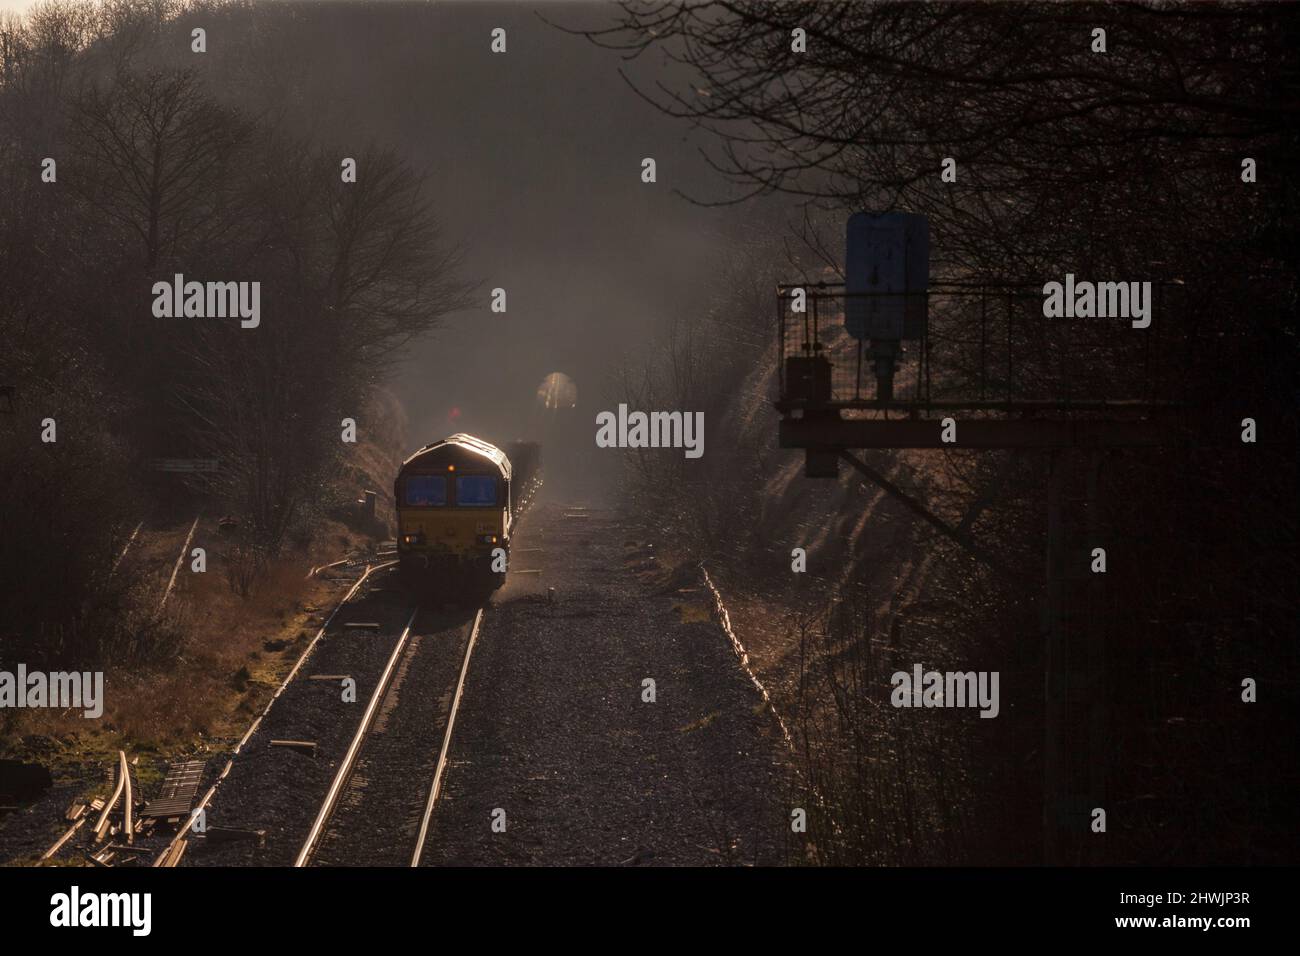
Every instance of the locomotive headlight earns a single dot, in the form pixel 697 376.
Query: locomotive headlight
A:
pixel 487 539
pixel 416 538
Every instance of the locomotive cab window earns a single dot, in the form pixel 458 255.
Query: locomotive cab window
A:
pixel 476 490
pixel 425 490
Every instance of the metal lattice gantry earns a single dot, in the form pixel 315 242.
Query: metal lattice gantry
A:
pixel 888 359
pixel 986 357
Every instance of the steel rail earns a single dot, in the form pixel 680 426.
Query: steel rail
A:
pixel 127 822
pixel 742 655
pixel 101 825
pixel 172 853
pixel 323 815
pixel 436 788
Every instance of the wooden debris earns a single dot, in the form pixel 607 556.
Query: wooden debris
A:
pixel 172 855
pixel 178 789
pixel 304 746
pixel 329 677
pixel 65 838
pixel 219 835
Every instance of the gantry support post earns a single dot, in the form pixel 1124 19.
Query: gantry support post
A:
pixel 1098 631
pixel 955 534
pixel 1054 666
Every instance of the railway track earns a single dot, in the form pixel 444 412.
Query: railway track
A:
pixel 175 849
pixel 723 618
pixel 382 797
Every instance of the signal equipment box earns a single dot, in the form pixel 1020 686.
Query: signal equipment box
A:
pixel 887 276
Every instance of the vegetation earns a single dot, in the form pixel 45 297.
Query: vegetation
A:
pixel 166 165
pixel 1120 165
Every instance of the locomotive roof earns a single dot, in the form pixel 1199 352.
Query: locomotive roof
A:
pixel 469 443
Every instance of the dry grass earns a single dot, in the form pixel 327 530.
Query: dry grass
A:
pixel 694 613
pixel 223 673
pixel 198 697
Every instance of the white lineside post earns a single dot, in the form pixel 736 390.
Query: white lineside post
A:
pixel 129 541
pixel 180 559
pixel 127 810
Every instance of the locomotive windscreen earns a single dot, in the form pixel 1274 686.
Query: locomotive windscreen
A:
pixel 425 490
pixel 476 490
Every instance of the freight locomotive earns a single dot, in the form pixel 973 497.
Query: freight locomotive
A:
pixel 458 501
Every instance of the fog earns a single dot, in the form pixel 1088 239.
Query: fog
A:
pixel 534 162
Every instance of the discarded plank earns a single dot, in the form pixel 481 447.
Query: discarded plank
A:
pixel 75 812
pixel 235 835
pixel 176 852
pixel 305 746
pixel 170 855
pixel 325 567
pixel 64 839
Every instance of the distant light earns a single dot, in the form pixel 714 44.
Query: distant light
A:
pixel 557 391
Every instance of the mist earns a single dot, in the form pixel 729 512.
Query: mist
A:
pixel 534 165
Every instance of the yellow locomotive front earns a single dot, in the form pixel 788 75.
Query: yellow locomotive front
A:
pixel 453 513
